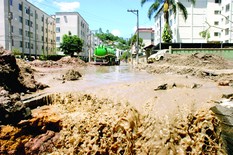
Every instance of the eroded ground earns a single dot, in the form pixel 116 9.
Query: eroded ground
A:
pixel 166 112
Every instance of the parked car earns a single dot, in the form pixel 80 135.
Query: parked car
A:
pixel 159 55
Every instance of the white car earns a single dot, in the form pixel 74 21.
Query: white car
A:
pixel 159 55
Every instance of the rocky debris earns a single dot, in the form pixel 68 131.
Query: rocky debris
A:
pixel 161 87
pixel 33 136
pixel 15 79
pixel 12 110
pixel 71 75
pixel 224 111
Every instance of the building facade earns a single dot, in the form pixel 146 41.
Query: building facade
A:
pixel 72 22
pixel 147 34
pixel 215 16
pixel 25 27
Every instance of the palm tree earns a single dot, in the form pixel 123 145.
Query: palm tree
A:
pixel 173 4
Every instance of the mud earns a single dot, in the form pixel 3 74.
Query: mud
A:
pixel 166 114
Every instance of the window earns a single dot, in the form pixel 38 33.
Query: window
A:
pixel 42 28
pixel 227 7
pixel 12 42
pixel 21 43
pixel 216 34
pixel 27 45
pixel 227 20
pixel 57 39
pixel 65 18
pixel 31 23
pixel 20 19
pixel 42 19
pixel 227 31
pixel 57 20
pixel 217 12
pixel 20 7
pixel 218 1
pixel 42 38
pixel 27 10
pixel 20 31
pixel 58 29
pixel 12 28
pixel 11 2
pixel 216 23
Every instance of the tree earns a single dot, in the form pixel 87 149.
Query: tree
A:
pixel 133 40
pixel 173 4
pixel 71 44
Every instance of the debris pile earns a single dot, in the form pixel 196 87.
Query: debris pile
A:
pixel 67 60
pixel 14 81
pixel 33 136
pixel 72 75
pixel 99 126
pixel 210 61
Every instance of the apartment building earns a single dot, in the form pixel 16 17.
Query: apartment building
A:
pixel 72 22
pixel 147 34
pixel 25 27
pixel 212 15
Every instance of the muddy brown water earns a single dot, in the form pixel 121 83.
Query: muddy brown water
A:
pixel 125 84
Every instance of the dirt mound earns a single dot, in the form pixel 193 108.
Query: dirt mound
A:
pixel 209 61
pixel 71 60
pixel 62 62
pixel 72 75
pixel 48 63
pixel 15 79
pixel 99 126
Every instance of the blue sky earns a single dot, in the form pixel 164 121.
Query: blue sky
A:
pixel 109 15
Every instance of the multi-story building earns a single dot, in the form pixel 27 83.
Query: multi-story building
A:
pixel 215 16
pixel 25 27
pixel 72 22
pixel 147 34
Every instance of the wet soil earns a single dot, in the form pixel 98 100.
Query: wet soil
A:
pixel 160 108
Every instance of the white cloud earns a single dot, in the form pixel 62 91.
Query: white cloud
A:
pixel 67 6
pixel 116 32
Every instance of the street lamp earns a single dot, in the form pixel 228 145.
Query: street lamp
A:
pixel 136 12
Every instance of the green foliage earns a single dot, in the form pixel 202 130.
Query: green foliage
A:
pixel 125 55
pixel 167 34
pixel 71 44
pixel 111 40
pixel 205 34
pixel 133 40
pixel 118 42
pixel 16 51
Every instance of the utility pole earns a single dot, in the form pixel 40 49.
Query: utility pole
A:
pixel 136 12
pixel 10 26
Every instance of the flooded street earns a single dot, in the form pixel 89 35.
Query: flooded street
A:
pixel 151 109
